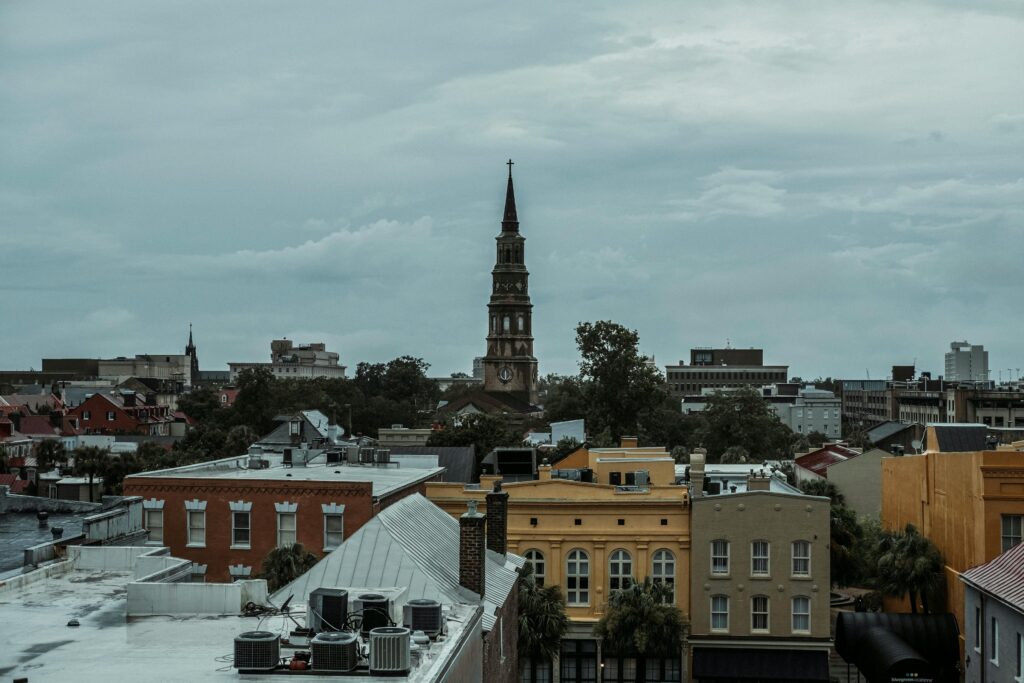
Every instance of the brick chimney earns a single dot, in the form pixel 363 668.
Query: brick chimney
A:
pixel 472 550
pixel 544 471
pixel 497 519
pixel 697 459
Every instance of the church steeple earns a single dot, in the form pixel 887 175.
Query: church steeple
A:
pixel 510 366
pixel 190 352
pixel 510 223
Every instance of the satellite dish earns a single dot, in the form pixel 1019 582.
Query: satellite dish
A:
pixel 917 444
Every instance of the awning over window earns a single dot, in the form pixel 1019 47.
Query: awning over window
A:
pixel 741 664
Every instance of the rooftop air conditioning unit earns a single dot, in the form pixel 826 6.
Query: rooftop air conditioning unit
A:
pixel 366 455
pixel 327 610
pixel 422 615
pixel 333 457
pixel 335 651
pixel 376 611
pixel 352 455
pixel 257 463
pixel 389 650
pixel 257 651
pixel 382 456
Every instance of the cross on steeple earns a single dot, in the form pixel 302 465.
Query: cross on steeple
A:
pixel 509 163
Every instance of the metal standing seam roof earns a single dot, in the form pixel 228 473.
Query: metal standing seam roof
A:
pixel 1003 577
pixel 820 460
pixel 412 544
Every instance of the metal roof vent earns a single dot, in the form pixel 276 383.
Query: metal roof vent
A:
pixel 422 615
pixel 257 651
pixel 389 650
pixel 335 651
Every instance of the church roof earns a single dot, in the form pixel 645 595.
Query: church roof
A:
pixel 510 223
pixel 490 402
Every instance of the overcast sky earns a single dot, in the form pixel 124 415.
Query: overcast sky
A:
pixel 840 184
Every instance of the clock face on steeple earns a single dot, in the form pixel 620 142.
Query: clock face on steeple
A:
pixel 505 374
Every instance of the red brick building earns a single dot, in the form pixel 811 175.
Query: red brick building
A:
pixel 226 517
pixel 122 413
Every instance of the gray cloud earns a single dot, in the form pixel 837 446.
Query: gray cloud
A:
pixel 840 184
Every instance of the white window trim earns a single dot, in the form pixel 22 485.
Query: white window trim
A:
pixel 711 613
pixel 188 526
pixel 195 505
pixel 294 530
pixel 979 626
pixel 543 560
pixel 624 579
pixel 767 613
pixel 767 558
pixel 149 529
pixel 995 641
pixel 669 560
pixel 331 510
pixel 794 558
pixel 152 504
pixel 239 571
pixel 286 507
pixel 241 546
pixel 1020 658
pixel 793 613
pixel 240 506
pixel 583 557
pixel 728 565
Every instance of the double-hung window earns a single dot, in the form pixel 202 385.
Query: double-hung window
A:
pixel 620 570
pixel 241 524
pixel 719 612
pixel 759 558
pixel 195 518
pixel 759 613
pixel 1013 530
pixel 801 558
pixel 719 556
pixel 287 517
pixel 801 614
pixel 664 573
pixel 334 525
pixel 536 558
pixel 577 578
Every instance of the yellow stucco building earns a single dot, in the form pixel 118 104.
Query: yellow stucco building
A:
pixel 969 503
pixel 592 537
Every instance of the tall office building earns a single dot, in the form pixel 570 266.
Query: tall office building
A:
pixel 966 362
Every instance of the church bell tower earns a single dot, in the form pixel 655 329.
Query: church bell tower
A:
pixel 509 366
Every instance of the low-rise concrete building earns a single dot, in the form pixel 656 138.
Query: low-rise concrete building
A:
pixel 291 361
pixel 759 578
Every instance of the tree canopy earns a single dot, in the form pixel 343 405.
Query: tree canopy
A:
pixel 742 418
pixel 542 619
pixel 641 620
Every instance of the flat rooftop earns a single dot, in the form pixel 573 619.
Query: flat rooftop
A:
pixel 385 479
pixel 36 641
pixel 20 530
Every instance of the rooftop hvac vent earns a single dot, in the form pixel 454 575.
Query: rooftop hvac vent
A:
pixel 389 650
pixel 327 610
pixel 382 456
pixel 335 651
pixel 257 651
pixel 376 611
pixel 366 455
pixel 422 615
pixel 333 457
pixel 286 457
pixel 352 455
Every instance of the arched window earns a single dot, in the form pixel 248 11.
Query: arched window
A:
pixel 536 558
pixel 520 323
pixel 506 324
pixel 801 614
pixel 508 255
pixel 664 572
pixel 620 570
pixel 494 323
pixel 759 613
pixel 719 612
pixel 577 578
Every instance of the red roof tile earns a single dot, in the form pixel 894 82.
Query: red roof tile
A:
pixel 820 460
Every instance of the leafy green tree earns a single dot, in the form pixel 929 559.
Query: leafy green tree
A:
pixel 91 462
pixel 405 380
pixel 238 440
pixel 620 386
pixel 642 621
pixel 486 432
pixel 255 405
pixel 845 533
pixel 816 439
pixel 542 619
pixel 564 447
pixel 564 398
pixel 49 454
pixel 735 455
pixel 202 405
pixel 909 564
pixel 742 418
pixel 284 564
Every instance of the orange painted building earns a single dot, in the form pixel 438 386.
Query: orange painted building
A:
pixel 970 504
